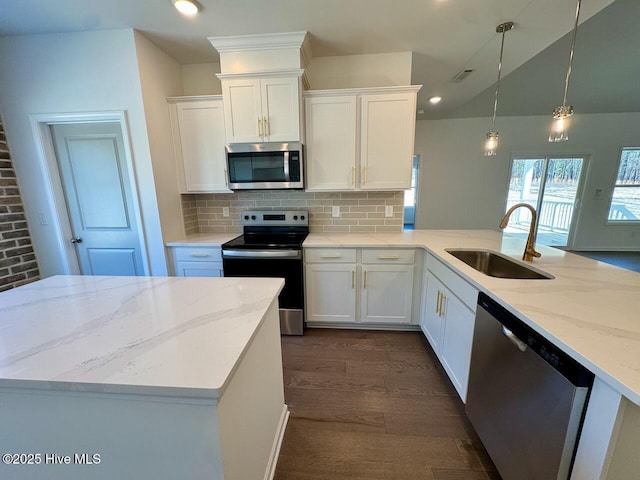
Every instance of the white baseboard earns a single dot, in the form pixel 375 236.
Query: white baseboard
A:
pixel 277 443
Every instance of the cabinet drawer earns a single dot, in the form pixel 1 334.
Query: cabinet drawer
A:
pixel 330 255
pixel 197 254
pixel 388 256
pixel 454 282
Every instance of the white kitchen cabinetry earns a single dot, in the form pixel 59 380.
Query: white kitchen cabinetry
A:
pixel 330 280
pixel 360 139
pixel 197 261
pixel 197 124
pixel 387 286
pixel 359 287
pixel 448 320
pixel 261 108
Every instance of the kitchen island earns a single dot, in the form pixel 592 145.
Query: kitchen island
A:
pixel 141 377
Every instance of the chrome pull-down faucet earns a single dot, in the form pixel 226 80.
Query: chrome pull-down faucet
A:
pixel 530 247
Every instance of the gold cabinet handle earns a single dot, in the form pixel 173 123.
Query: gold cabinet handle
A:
pixel 353 176
pixel 438 303
pixel 388 257
pixel 363 173
pixel 260 127
pixel 353 279
pixel 443 305
pixel 331 256
pixel 364 282
pixel 265 121
pixel 199 255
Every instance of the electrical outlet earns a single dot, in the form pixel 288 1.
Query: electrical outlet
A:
pixel 388 211
pixel 335 211
pixel 225 211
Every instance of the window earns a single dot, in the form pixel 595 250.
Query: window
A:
pixel 552 186
pixel 625 201
pixel 410 196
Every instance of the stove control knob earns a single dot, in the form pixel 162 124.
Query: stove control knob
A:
pixel 295 217
pixel 246 217
pixel 302 217
pixel 253 217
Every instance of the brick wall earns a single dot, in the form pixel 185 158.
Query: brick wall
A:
pixel 18 263
pixel 359 211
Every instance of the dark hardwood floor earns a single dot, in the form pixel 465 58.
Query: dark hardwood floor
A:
pixel 371 405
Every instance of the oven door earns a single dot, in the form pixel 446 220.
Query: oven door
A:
pixel 274 263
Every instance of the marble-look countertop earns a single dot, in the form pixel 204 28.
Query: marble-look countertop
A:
pixel 590 309
pixel 140 335
pixel 202 240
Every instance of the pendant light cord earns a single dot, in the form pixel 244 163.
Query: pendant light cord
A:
pixel 573 46
pixel 495 103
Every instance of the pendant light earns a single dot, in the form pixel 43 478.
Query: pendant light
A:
pixel 491 143
pixel 561 114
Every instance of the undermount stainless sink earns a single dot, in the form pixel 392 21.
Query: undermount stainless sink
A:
pixel 497 265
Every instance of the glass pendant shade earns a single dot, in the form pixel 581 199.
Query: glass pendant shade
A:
pixel 560 126
pixel 491 144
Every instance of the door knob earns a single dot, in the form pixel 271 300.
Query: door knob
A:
pixel 76 240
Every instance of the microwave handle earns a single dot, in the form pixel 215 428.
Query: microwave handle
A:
pixel 287 176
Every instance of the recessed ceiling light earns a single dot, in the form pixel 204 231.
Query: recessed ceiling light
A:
pixel 186 7
pixel 435 100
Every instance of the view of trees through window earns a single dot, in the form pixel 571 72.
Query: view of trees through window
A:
pixel 550 185
pixel 625 201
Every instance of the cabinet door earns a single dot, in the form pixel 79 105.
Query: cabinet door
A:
pixel 457 340
pixel 331 143
pixel 330 292
pixel 386 294
pixel 432 321
pixel 198 269
pixel 387 133
pixel 242 110
pixel 280 109
pixel 198 130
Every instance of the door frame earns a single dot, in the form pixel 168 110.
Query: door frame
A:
pixel 49 169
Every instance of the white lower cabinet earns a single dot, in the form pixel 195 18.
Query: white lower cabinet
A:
pixel 197 261
pixel 448 320
pixel 359 286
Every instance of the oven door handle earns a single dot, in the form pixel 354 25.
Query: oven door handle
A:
pixel 291 254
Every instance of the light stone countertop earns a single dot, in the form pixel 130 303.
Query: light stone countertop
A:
pixel 591 309
pixel 202 240
pixel 139 335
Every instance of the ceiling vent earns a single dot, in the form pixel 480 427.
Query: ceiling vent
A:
pixel 460 76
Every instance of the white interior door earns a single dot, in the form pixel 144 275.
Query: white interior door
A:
pixel 99 200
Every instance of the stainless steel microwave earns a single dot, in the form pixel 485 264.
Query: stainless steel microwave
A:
pixel 265 166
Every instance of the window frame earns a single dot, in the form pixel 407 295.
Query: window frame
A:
pixel 614 185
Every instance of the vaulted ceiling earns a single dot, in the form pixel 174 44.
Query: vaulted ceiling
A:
pixel 445 36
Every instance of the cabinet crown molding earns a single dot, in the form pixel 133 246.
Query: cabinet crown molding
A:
pixel 193 98
pixel 272 73
pixel 361 91
pixel 269 41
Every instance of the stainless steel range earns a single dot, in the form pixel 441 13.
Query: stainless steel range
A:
pixel 271 246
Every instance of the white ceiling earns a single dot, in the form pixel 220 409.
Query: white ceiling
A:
pixel 446 36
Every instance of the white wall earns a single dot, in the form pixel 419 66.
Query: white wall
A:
pixel 74 72
pixel 161 77
pixel 354 71
pixel 460 188
pixel 200 79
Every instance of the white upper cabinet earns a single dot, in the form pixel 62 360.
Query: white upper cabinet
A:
pixel 331 142
pixel 197 124
pixel 261 109
pixel 387 132
pixel 360 139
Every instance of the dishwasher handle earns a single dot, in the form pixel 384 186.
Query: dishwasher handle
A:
pixel 513 339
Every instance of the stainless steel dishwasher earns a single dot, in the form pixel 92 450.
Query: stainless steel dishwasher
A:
pixel 526 398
